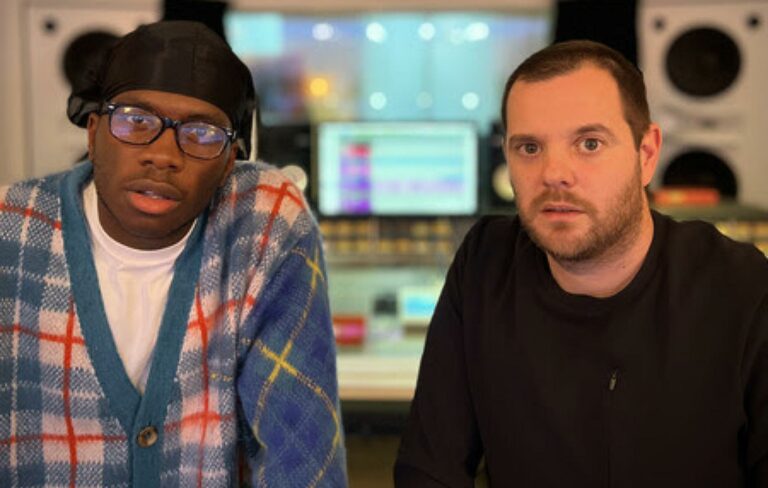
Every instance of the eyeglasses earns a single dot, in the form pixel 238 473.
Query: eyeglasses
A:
pixel 138 126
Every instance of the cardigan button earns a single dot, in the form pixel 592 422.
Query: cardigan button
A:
pixel 147 437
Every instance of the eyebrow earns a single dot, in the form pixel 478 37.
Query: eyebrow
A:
pixel 592 128
pixel 580 131
pixel 521 138
pixel 193 117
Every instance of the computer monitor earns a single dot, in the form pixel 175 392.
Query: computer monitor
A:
pixel 426 168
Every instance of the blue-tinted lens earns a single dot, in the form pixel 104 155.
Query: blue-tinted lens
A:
pixel 201 139
pixel 134 125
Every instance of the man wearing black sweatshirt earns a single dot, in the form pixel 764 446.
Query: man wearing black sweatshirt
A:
pixel 590 341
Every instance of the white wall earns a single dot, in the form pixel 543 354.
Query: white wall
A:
pixel 15 83
pixel 11 94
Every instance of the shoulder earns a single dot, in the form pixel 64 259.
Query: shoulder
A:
pixel 493 246
pixel 699 241
pixel 258 198
pixel 36 197
pixel 495 234
pixel 495 225
pixel 24 190
pixel 699 248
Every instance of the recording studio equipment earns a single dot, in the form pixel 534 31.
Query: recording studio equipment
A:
pixel 706 71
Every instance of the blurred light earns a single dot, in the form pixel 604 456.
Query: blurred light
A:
pixel 470 100
pixel 256 34
pixel 457 36
pixel 376 32
pixel 427 31
pixel 319 87
pixel 323 31
pixel 477 31
pixel 424 100
pixel 377 100
pixel 332 100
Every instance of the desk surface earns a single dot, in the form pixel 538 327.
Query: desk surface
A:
pixel 381 372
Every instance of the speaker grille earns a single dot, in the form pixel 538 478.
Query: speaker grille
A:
pixel 703 62
pixel 701 168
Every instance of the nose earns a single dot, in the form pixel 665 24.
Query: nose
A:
pixel 163 152
pixel 558 171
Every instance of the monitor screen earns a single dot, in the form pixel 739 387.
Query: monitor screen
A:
pixel 396 168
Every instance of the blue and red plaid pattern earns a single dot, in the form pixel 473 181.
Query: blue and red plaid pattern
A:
pixel 253 376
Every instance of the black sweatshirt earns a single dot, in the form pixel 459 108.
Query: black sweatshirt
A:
pixel 664 384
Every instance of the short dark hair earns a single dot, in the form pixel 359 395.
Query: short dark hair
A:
pixel 564 57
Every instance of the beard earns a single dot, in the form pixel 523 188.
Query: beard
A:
pixel 606 235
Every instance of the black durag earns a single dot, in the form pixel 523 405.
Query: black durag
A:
pixel 179 57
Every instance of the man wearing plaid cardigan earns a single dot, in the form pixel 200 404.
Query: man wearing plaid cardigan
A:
pixel 163 308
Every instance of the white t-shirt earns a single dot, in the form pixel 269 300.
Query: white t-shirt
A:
pixel 134 289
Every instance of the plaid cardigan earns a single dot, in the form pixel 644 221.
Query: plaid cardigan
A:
pixel 244 366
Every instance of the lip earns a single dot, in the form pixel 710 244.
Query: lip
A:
pixel 153 197
pixel 556 207
pixel 560 211
pixel 159 188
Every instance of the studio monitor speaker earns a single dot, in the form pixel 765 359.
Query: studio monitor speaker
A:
pixel 495 189
pixel 53 33
pixel 706 69
pixel 289 147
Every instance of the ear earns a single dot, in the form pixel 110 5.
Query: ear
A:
pixel 650 148
pixel 93 125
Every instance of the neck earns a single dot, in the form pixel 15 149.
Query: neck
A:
pixel 110 223
pixel 609 273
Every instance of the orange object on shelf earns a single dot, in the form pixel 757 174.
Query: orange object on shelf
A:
pixel 349 330
pixel 680 195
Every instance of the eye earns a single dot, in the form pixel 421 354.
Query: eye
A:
pixel 528 149
pixel 202 133
pixel 590 144
pixel 137 119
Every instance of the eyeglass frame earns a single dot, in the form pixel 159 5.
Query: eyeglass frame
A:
pixel 110 107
